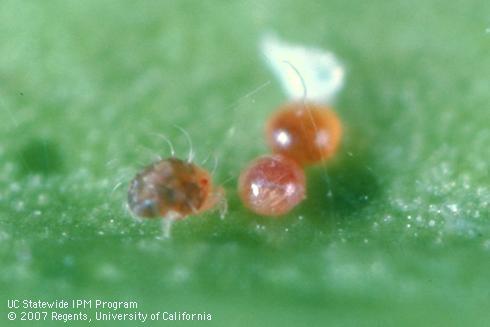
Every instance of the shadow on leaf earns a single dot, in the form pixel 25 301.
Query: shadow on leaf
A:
pixel 40 156
pixel 341 190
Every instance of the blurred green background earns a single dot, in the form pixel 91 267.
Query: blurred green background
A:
pixel 395 230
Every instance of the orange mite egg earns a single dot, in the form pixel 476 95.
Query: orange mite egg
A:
pixel 172 188
pixel 272 185
pixel 307 133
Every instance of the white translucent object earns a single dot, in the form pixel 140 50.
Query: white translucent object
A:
pixel 305 73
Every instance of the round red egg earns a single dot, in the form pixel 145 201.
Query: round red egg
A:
pixel 272 185
pixel 307 133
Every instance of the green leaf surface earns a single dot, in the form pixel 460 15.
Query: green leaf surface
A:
pixel 395 230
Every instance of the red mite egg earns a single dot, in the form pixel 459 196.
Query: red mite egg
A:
pixel 307 133
pixel 272 185
pixel 172 188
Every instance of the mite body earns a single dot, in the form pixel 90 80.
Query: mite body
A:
pixel 174 189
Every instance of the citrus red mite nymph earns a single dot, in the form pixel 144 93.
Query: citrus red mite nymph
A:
pixel 173 189
pixel 305 132
pixel 272 185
